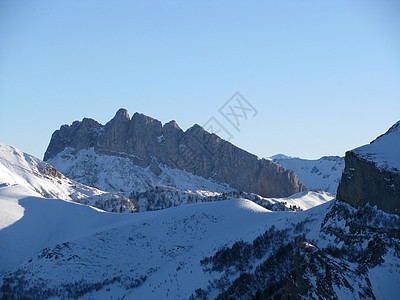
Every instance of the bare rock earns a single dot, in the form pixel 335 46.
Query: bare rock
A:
pixel 146 141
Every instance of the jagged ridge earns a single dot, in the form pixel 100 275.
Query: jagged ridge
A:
pixel 148 143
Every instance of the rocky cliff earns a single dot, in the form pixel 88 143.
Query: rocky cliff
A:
pixel 149 144
pixel 372 174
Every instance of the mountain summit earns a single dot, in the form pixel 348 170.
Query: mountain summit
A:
pixel 149 144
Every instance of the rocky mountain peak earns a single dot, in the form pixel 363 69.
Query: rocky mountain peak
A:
pixel 143 119
pixel 122 114
pixel 197 151
pixel 196 129
pixel 172 124
pixel 394 129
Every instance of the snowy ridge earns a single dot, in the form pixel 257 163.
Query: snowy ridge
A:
pixel 384 151
pixel 42 180
pixel 320 174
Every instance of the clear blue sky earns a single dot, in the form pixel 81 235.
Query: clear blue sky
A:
pixel 324 76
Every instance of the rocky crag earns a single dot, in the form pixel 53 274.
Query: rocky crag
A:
pixel 372 174
pixel 149 144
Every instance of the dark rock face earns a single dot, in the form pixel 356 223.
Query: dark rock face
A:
pixel 363 183
pixel 149 143
pixel 371 175
pixel 80 134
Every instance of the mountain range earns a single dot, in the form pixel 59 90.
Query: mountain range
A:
pixel 227 242
pixel 321 174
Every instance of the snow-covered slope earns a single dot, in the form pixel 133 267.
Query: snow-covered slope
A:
pixel 41 179
pixel 320 174
pixel 29 223
pixel 226 249
pixel 118 173
pixel 231 249
pixel 306 200
pixel 384 151
pixel 61 244
pixel 172 187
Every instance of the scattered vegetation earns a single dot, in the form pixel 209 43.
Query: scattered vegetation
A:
pixel 162 197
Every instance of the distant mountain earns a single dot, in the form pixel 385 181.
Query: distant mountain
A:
pixel 129 154
pixel 281 156
pixel 320 174
pixel 41 179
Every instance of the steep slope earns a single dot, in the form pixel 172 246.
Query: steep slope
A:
pixel 41 179
pixel 118 173
pixel 320 174
pixel 148 144
pixel 372 174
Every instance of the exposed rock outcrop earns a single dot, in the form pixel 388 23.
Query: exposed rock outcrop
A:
pixel 371 175
pixel 148 143
pixel 318 275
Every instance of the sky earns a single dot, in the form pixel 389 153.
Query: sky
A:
pixel 314 78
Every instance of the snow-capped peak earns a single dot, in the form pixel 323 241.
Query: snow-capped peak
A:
pixel 384 151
